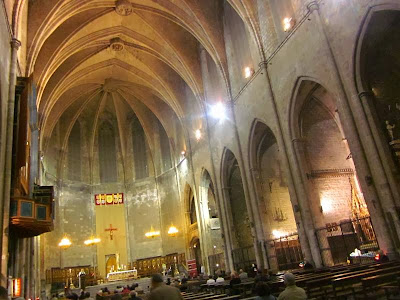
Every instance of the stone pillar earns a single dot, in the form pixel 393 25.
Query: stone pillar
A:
pixel 314 201
pixel 298 196
pixel 363 146
pixel 15 44
pixel 254 177
pixel 226 212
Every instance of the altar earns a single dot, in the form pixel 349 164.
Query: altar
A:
pixel 122 275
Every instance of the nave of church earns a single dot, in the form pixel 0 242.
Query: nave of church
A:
pixel 194 137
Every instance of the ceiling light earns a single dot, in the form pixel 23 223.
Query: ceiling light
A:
pixel 288 23
pixel 248 72
pixel 218 111
pixel 197 134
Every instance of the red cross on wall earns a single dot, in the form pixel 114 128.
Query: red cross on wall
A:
pixel 111 229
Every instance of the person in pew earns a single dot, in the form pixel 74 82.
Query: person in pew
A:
pixel 243 274
pixel 161 291
pixel 134 296
pixel 263 291
pixel 292 292
pixel 211 280
pixel 262 276
pixel 381 257
pixel 220 280
pixel 235 279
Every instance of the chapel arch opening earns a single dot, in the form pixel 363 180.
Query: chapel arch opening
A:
pixel 378 76
pixel 337 203
pixel 238 217
pixel 211 218
pixel 274 204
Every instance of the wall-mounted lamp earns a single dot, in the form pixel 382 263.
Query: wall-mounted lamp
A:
pixel 288 24
pixel 197 134
pixel 248 72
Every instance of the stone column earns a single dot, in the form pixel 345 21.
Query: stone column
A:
pixel 15 44
pixel 226 212
pixel 298 196
pixel 261 238
pixel 363 146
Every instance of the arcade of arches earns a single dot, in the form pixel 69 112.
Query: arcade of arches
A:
pixel 142 134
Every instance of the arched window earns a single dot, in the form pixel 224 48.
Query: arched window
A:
pixel 165 150
pixel 107 153
pixel 193 215
pixel 139 150
pixel 74 153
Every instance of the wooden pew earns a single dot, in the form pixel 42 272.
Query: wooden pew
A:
pixel 373 283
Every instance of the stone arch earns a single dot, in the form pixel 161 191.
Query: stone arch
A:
pixel 336 201
pixel 213 246
pixel 274 202
pixel 377 82
pixel 239 226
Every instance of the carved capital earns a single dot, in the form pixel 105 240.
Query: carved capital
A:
pixel 312 6
pixel 123 8
pixel 15 44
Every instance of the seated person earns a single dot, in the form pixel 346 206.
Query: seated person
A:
pixel 134 296
pixel 235 279
pixel 243 274
pixel 292 292
pixel 262 276
pixel 219 280
pixel 210 281
pixel 263 291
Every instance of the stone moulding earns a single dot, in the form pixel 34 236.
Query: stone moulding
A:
pixel 330 173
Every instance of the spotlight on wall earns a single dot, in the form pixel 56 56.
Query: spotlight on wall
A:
pixel 197 134
pixel 288 24
pixel 218 111
pixel 248 72
pixel 278 234
pixel 183 153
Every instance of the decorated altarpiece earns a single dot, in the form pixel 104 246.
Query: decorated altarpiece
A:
pixel 111 229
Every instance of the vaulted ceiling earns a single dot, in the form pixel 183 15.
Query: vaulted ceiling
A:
pixel 144 51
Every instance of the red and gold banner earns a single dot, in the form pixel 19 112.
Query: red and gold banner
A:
pixel 109 199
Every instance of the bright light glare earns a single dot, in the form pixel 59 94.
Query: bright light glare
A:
pixel 278 234
pixel 173 230
pixel 92 241
pixel 326 204
pixel 287 23
pixel 152 233
pixel 248 72
pixel 217 111
pixel 65 242
pixel 198 134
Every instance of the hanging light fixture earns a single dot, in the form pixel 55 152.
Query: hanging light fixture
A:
pixel 172 231
pixel 152 233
